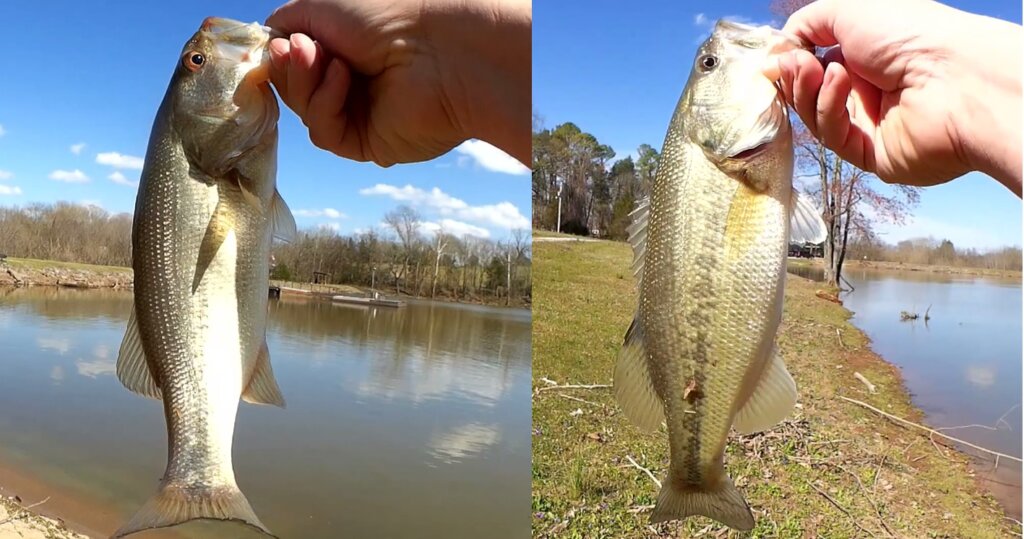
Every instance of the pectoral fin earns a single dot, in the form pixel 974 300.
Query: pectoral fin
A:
pixel 805 223
pixel 221 222
pixel 262 387
pixel 772 400
pixel 283 222
pixel 132 369
pixel 632 384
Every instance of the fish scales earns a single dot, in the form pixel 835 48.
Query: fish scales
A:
pixel 206 212
pixel 711 248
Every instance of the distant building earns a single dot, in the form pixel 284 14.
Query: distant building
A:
pixel 807 250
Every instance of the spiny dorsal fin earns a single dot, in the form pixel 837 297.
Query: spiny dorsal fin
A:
pixel 283 222
pixel 262 387
pixel 805 223
pixel 637 231
pixel 632 383
pixel 132 369
pixel 772 400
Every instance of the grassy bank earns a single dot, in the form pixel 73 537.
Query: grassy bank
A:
pixel 834 469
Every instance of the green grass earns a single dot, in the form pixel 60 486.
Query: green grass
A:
pixel 584 486
pixel 33 264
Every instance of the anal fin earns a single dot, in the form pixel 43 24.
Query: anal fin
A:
pixel 262 387
pixel 632 383
pixel 132 369
pixel 772 400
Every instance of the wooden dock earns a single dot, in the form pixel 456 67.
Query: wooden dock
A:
pixel 373 301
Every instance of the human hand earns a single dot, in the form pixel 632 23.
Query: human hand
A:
pixel 403 81
pixel 910 94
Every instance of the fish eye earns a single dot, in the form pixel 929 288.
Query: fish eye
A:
pixel 707 62
pixel 194 60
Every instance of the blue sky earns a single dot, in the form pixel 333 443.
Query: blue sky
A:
pixel 94 72
pixel 617 69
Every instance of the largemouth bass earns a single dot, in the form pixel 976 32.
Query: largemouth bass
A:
pixel 205 214
pixel 710 254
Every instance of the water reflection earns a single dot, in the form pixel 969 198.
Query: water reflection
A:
pixel 386 408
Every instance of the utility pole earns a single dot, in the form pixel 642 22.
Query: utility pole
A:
pixel 559 227
pixel 508 279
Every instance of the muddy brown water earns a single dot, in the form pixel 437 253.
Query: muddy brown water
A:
pixel 409 422
pixel 962 367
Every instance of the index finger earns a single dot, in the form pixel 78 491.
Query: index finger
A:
pixel 814 23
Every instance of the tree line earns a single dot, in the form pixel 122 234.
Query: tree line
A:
pixel 400 257
pixel 578 189
pixel 930 251
pixel 66 232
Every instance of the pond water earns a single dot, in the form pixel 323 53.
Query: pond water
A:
pixel 410 422
pixel 962 366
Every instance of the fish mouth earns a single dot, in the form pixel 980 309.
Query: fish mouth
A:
pixel 240 43
pixel 756 37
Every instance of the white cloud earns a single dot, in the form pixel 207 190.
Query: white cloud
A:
pixel 61 346
pixel 2 131
pixel 90 202
pixel 502 215
pixel 74 176
pixel 464 442
pixel 96 367
pixel 700 19
pixel 118 160
pixel 330 213
pixel 455 228
pixel 6 174
pixel 77 148
pixel 491 158
pixel 120 179
pixel 333 227
pixel 9 189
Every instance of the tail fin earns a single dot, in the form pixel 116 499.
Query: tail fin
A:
pixel 172 505
pixel 725 505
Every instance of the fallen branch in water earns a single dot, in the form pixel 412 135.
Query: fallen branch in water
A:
pixel 841 508
pixel 574 386
pixel 24 512
pixel 930 430
pixel 859 376
pixel 645 470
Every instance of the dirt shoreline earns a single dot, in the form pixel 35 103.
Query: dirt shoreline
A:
pixel 27 272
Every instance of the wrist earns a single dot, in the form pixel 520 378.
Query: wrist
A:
pixel 990 82
pixel 484 57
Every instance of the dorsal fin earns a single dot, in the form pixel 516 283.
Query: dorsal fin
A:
pixel 637 231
